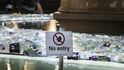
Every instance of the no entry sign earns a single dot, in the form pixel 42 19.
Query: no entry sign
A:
pixel 59 43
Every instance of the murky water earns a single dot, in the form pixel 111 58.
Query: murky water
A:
pixel 35 63
pixel 22 64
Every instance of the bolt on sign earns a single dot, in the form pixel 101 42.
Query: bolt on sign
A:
pixel 59 43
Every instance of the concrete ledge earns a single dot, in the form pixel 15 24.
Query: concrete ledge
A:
pixel 90 16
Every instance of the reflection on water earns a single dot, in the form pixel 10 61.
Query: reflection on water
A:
pixel 48 64
pixel 20 64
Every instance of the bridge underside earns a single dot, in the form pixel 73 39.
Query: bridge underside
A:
pixel 92 23
pixel 92 16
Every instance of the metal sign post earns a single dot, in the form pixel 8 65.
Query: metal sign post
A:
pixel 61 63
pixel 60 57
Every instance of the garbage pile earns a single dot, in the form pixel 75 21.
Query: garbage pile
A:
pixel 22 41
pixel 93 44
pixel 31 42
pixel 26 18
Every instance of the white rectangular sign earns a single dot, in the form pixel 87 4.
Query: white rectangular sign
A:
pixel 59 44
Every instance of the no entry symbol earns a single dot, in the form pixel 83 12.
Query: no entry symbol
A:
pixel 58 38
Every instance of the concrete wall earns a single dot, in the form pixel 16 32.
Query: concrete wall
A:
pixel 91 5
